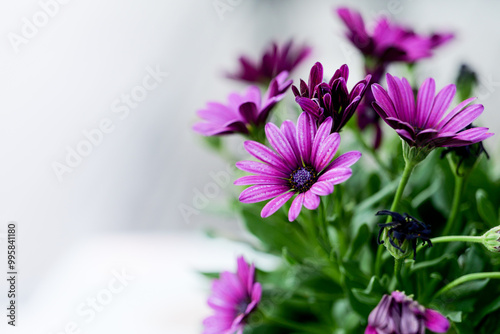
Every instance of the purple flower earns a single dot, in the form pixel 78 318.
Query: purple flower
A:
pixel 388 41
pixel 425 124
pixel 244 112
pixel 234 297
pixel 321 100
pixel 301 164
pixel 276 59
pixel 398 314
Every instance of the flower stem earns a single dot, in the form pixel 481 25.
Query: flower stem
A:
pixel 457 195
pixel 398 263
pixel 409 166
pixel 453 238
pixel 467 278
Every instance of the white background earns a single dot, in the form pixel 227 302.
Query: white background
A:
pixel 119 208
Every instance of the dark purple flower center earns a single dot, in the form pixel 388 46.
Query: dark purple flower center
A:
pixel 302 179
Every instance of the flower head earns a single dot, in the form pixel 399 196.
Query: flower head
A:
pixel 491 239
pixel 234 297
pixel 388 41
pixel 397 314
pixel 242 113
pixel 425 124
pixel 321 100
pixel 400 236
pixel 301 165
pixel 276 59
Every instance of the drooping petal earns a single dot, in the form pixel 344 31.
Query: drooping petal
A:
pixel 436 322
pixel 311 200
pixel 295 208
pixel 275 204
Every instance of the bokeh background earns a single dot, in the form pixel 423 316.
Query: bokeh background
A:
pixel 115 220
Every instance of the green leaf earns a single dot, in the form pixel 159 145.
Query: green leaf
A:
pixel 481 312
pixel 359 241
pixel 485 209
pixel 275 232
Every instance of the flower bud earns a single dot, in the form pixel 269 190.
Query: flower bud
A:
pixel 491 239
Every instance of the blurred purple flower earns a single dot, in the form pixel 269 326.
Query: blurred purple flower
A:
pixel 321 100
pixel 302 165
pixel 276 59
pixel 234 297
pixel 398 314
pixel 242 113
pixel 424 124
pixel 389 41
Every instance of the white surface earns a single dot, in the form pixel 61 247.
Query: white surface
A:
pixel 165 292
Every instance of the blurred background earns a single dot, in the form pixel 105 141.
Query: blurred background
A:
pixel 113 241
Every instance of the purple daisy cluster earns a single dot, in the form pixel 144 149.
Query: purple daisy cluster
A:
pixel 399 314
pixel 234 297
pixel 321 100
pixel 301 164
pixel 425 123
pixel 276 59
pixel 243 112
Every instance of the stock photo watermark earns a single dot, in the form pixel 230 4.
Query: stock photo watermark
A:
pixel 31 25
pixel 88 310
pixel 10 238
pixel 221 7
pixel 120 108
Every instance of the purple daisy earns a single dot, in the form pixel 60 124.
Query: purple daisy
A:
pixel 234 297
pixel 276 59
pixel 242 113
pixel 425 124
pixel 388 41
pixel 321 100
pixel 398 314
pixel 301 164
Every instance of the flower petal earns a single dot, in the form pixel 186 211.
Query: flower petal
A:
pixel 260 169
pixel 345 160
pixel 275 204
pixel 336 175
pixel 306 128
pixel 441 104
pixel 322 188
pixel 260 193
pixel 311 200
pixel 295 208
pixel 320 137
pixel 436 322
pixel 259 179
pixel 464 118
pixel 266 155
pixel 326 151
pixel 279 142
pixel 425 98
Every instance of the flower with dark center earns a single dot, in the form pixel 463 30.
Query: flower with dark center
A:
pixel 425 123
pixel 242 113
pixel 321 100
pixel 275 60
pixel 301 164
pixel 401 235
pixel 399 314
pixel 234 297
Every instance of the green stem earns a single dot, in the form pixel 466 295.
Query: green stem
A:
pixel 410 165
pixel 398 263
pixel 467 278
pixel 453 238
pixel 457 195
